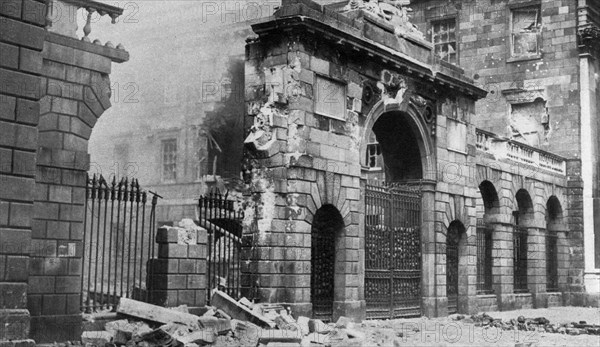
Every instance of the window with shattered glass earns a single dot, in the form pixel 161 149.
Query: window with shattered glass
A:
pixel 374 157
pixel 526 30
pixel 169 160
pixel 444 40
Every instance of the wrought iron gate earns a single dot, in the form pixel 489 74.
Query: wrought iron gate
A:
pixel 452 238
pixel 520 259
pixel 118 239
pixel 223 222
pixel 551 261
pixel 326 225
pixel 392 250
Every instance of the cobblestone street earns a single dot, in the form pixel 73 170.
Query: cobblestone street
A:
pixel 449 332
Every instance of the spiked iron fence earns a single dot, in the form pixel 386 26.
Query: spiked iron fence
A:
pixel 119 232
pixel 218 215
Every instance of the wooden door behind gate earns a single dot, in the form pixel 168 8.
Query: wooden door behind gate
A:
pixel 392 251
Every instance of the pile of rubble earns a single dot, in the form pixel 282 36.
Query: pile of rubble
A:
pixel 226 323
pixel 531 324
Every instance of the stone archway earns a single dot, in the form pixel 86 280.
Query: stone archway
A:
pixel 395 234
pixel 75 93
pixel 412 119
pixel 327 227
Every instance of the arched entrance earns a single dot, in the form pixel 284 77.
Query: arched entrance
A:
pixel 396 152
pixel 455 242
pixel 327 225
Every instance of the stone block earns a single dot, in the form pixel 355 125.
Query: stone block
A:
pixel 78 75
pixel 27 111
pixel 93 62
pixel 15 325
pixel 166 251
pixel 9 55
pixel 319 65
pixel 11 8
pixel 13 295
pixel 30 60
pixel 54 304
pixel 17 188
pixel 65 106
pixel 34 12
pixel 96 338
pixel 22 34
pixel 20 84
pixel 20 214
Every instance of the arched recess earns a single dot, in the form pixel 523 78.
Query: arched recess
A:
pixel 491 202
pixel 522 218
pixel 327 227
pixel 554 224
pixel 406 118
pixel 456 267
pixel 484 237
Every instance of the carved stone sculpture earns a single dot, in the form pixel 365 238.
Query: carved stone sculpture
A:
pixel 395 12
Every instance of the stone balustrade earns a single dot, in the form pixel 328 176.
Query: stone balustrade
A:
pixel 62 18
pixel 519 152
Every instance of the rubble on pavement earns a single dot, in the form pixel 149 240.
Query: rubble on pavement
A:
pixel 531 324
pixel 226 323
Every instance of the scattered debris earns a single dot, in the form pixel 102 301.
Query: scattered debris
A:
pixel 540 324
pixel 97 338
pixel 227 322
pixel 238 311
pixel 155 313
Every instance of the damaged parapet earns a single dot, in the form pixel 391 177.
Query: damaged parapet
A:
pixel 177 276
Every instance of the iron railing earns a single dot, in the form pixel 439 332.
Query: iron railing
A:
pixel 484 258
pixel 392 250
pixel 551 261
pixel 520 259
pixel 118 238
pixel 223 222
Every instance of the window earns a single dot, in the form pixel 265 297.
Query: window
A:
pixel 519 256
pixel 373 156
pixel 552 261
pixel 330 98
pixel 484 258
pixel 169 160
pixel 444 40
pixel 526 28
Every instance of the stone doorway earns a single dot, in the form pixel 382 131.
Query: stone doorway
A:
pixel 327 225
pixel 455 258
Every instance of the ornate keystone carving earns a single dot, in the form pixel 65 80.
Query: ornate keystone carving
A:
pixel 392 87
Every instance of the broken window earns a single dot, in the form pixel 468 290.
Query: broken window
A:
pixel 444 40
pixel 169 160
pixel 526 30
pixel 373 156
pixel 330 98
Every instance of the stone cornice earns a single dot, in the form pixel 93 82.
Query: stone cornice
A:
pixel 340 30
pixel 114 54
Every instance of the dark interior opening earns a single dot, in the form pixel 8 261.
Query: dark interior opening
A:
pixel 327 224
pixel 401 153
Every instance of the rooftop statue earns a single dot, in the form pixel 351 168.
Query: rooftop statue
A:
pixel 395 12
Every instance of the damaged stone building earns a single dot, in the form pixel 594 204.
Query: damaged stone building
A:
pixel 446 164
pixel 391 167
